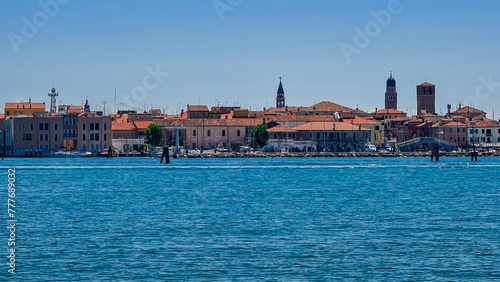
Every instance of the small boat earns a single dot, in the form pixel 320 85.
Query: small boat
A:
pixel 71 154
pixel 369 147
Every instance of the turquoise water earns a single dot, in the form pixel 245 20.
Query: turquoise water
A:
pixel 255 219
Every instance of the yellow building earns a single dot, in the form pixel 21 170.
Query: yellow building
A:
pixel 23 109
pixel 376 129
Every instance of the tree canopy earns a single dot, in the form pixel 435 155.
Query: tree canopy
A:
pixel 154 133
pixel 259 135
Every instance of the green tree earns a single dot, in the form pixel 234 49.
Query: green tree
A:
pixel 259 135
pixel 154 133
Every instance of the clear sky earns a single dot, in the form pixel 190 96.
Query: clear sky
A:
pixel 234 51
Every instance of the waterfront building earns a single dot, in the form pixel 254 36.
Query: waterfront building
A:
pixel 484 133
pixel 333 136
pixel 391 95
pixel 426 98
pixel 94 132
pixel 34 135
pixel 376 129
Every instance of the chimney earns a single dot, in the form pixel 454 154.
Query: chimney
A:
pixel 449 109
pixel 459 105
pixel 30 100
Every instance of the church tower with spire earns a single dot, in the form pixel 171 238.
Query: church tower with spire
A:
pixel 391 96
pixel 280 98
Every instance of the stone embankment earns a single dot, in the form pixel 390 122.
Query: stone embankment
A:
pixel 324 155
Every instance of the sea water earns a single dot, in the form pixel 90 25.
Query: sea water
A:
pixel 253 219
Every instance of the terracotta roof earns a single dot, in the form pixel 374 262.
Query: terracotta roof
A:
pixel 197 108
pixel 281 128
pixel 387 112
pixel 468 109
pixel 142 124
pixel 326 106
pixel 360 120
pixel 426 84
pixel 25 105
pixel 454 123
pixel 122 126
pixel 210 122
pixel 328 126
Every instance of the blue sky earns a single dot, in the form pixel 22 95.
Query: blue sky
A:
pixel 235 56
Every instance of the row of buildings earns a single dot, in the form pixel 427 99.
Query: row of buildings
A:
pixel 326 126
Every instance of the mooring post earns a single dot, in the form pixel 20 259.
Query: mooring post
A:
pixel 437 153
pixel 165 155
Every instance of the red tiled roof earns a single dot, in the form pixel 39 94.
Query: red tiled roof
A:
pixel 281 128
pixel 360 120
pixel 142 124
pixel 326 106
pixel 426 84
pixel 468 110
pixel 328 126
pixel 197 108
pixel 387 112
pixel 122 126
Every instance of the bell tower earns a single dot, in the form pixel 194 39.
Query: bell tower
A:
pixel 391 96
pixel 280 98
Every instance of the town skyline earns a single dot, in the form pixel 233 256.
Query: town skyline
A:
pixel 235 53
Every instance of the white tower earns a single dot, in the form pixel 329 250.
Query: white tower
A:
pixel 53 94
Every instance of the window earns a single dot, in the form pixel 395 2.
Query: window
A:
pixel 96 126
pixel 28 137
pixel 46 137
pixel 105 126
pixel 84 136
pixel 92 137
pixel 194 132
pixel 84 147
pixel 74 121
pixel 55 137
pixel 45 126
pixel 105 146
pixel 451 130
pixel 238 133
pixel 208 132
pixel 105 137
pixel 317 135
pixel 96 137
pixel 84 126
pixel 463 129
pixel 91 126
pixel 376 127
pixel 223 132
pixel 41 137
pixel 55 126
pixel 32 127
pixel 40 126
